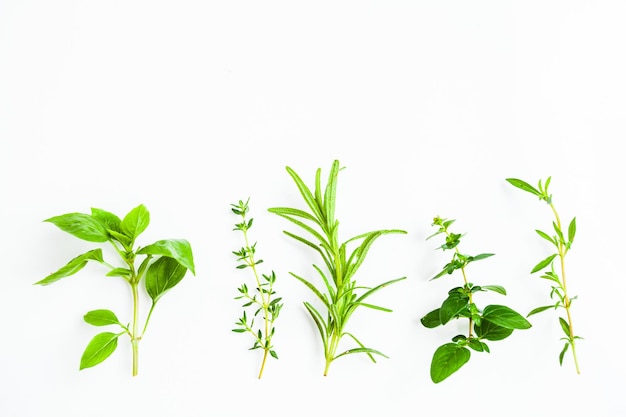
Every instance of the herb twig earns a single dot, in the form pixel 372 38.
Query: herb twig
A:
pixel 165 264
pixel 261 299
pixel 494 322
pixel 559 282
pixel 340 295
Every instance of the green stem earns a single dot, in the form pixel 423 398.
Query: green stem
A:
pixel 567 302
pixel 265 352
pixel 147 319
pixel 471 322
pixel 134 340
pixel 265 298
pixel 330 354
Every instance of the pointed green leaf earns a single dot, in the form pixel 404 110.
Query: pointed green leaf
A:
pixel 135 222
pixel 543 263
pixel 565 326
pixel 505 317
pixel 378 288
pixel 120 272
pixel 330 194
pixel 523 185
pixel 539 310
pixel 73 266
pixel 81 225
pixel 109 220
pixel 448 359
pixel 319 322
pixel 178 249
pixel 571 231
pixel 559 232
pixel 479 257
pixel 444 271
pixel 100 348
pixel 122 238
pixel 495 288
pixel 373 307
pixel 101 318
pixel 162 276
pixel 306 194
pixel 360 350
pixel 359 254
pixel 312 287
pixel 562 354
pixel 546 236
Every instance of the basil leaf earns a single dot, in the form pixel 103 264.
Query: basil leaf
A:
pixel 73 266
pixel 101 318
pixel 178 249
pixel 162 276
pixel 135 222
pixel 81 225
pixel 100 348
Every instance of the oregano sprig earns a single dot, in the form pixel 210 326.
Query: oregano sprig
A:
pixel 339 295
pixel 261 299
pixel 562 245
pixel 494 322
pixel 164 265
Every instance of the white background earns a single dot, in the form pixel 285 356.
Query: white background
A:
pixel 189 106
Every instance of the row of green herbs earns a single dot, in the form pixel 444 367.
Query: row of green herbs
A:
pixel 166 262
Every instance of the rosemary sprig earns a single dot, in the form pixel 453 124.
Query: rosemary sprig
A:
pixel 339 295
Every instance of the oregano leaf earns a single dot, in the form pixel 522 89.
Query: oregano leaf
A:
pixel 505 317
pixel 448 359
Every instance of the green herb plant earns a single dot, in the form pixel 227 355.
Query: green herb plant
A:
pixel 340 295
pixel 562 246
pixel 492 323
pixel 164 265
pixel 262 299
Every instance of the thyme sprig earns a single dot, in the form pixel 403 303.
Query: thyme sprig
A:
pixel 261 300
